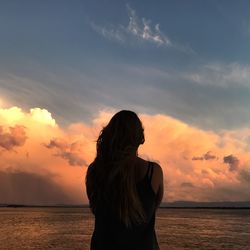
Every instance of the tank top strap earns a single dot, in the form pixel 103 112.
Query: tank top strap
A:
pixel 148 170
pixel 151 171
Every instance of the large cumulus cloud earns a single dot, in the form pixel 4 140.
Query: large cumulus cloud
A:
pixel 198 164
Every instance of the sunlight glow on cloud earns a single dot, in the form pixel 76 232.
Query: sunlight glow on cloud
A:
pixel 26 162
pixel 42 116
pixel 175 144
pixel 198 165
pixel 11 115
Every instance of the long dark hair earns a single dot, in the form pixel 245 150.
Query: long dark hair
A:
pixel 111 177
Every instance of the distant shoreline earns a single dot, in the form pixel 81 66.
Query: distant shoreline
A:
pixel 174 205
pixel 63 206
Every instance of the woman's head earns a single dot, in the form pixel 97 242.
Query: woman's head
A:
pixel 121 137
pixel 111 177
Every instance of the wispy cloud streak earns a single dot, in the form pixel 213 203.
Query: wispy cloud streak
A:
pixel 141 29
pixel 221 75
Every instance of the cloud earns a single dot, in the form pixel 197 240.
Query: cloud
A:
pixel 142 29
pixel 232 161
pixel 245 175
pixel 111 33
pixel 15 138
pixel 61 154
pixel 18 187
pixel 187 185
pixel 39 162
pixel 221 75
pixel 72 152
pixel 207 156
pixel 197 158
pixel 138 28
pixel 168 91
pixel 15 114
pixel 173 143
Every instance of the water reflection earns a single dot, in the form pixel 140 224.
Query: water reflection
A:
pixel 71 228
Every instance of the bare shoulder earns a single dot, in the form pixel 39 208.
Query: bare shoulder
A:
pixel 157 170
pixel 158 183
pixel 157 177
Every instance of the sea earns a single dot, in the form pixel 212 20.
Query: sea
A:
pixel 71 228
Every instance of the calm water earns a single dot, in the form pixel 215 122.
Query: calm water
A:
pixel 71 228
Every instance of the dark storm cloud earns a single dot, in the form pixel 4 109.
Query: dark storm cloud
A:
pixel 197 158
pixel 68 151
pixel 16 137
pixel 232 161
pixel 30 188
pixel 187 184
pixel 207 156
pixel 245 175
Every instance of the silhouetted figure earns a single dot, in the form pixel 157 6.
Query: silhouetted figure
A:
pixel 124 190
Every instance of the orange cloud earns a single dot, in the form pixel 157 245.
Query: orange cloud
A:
pixel 195 162
pixel 175 144
pixel 30 158
pixel 73 152
pixel 14 138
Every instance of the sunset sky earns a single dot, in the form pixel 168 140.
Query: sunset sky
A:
pixel 67 66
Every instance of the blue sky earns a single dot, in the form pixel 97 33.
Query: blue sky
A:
pixel 186 59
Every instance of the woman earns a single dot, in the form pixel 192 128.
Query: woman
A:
pixel 124 190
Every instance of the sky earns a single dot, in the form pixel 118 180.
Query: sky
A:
pixel 67 66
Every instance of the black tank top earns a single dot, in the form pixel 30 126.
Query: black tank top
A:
pixel 109 233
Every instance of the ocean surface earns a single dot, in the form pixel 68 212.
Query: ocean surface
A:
pixel 71 228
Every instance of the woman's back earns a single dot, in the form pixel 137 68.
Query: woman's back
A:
pixel 111 233
pixel 123 189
